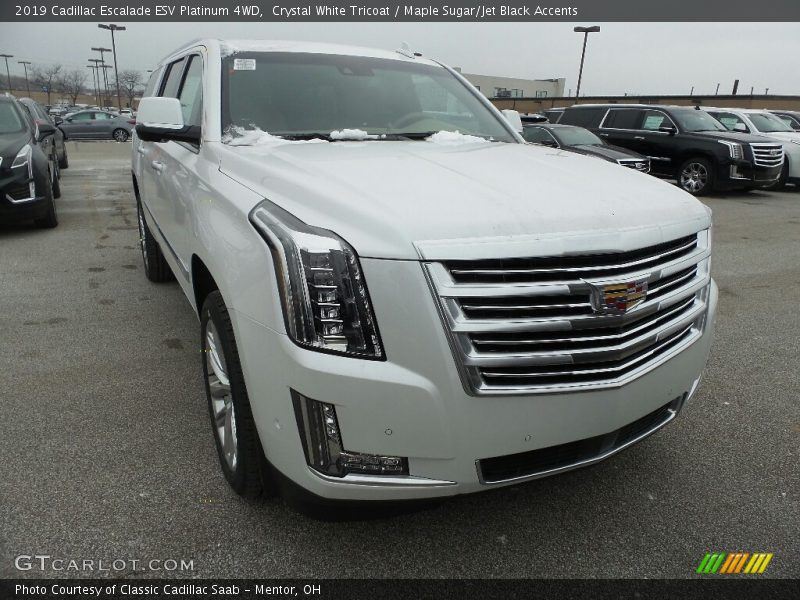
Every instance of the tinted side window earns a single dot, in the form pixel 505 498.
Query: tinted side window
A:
pixel 191 95
pixel 537 135
pixel 173 81
pixel 585 117
pixel 82 117
pixel 623 118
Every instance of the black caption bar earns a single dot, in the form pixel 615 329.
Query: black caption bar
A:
pixel 389 589
pixel 404 10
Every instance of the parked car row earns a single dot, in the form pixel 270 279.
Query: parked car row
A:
pixel 96 125
pixel 29 163
pixel 704 150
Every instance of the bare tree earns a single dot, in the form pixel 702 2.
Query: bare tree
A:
pixel 72 83
pixel 129 82
pixel 45 76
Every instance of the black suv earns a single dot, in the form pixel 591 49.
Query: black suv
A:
pixel 685 144
pixel 26 171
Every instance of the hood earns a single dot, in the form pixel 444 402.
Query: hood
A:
pixel 411 200
pixel 783 136
pixel 606 151
pixel 10 144
pixel 733 136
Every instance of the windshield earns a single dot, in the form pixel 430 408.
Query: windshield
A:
pixel 696 120
pixel 767 123
pixel 576 136
pixel 10 119
pixel 304 95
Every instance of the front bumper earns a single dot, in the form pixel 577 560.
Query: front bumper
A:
pixel 18 202
pixel 414 404
pixel 744 174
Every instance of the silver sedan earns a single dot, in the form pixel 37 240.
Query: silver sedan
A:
pixel 97 125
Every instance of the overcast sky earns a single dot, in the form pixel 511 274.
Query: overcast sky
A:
pixel 637 58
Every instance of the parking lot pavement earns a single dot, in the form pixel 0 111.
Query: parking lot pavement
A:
pixel 107 452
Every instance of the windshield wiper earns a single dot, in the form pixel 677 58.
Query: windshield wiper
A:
pixel 410 135
pixel 304 136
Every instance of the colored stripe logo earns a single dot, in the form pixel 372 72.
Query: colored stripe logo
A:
pixel 734 563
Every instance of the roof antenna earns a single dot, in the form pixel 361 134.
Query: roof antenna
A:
pixel 405 50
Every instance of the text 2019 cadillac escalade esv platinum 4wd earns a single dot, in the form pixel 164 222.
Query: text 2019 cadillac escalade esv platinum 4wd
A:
pixel 398 297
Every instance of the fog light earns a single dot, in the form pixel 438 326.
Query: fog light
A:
pixel 322 443
pixel 735 173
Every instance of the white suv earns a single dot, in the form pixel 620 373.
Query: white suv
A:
pixel 398 298
pixel 764 124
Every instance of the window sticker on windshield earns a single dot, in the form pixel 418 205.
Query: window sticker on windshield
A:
pixel 244 64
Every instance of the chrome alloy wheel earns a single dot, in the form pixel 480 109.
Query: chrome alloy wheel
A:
pixel 221 400
pixel 694 177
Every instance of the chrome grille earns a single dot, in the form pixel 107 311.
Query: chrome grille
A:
pixel 767 155
pixel 532 325
pixel 639 164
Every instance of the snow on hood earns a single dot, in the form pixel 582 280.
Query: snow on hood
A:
pixel 454 138
pixel 239 136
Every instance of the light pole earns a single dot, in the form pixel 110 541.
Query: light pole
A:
pixel 8 73
pixel 25 64
pixel 585 31
pixel 102 52
pixel 112 28
pixel 95 79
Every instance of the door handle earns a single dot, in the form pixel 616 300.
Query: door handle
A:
pixel 604 135
pixel 638 137
pixel 157 166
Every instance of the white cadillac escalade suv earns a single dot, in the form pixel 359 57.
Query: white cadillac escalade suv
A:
pixel 398 298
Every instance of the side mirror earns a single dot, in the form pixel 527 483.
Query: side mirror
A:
pixel 161 120
pixel 45 129
pixel 667 129
pixel 513 118
pixel 740 127
pixel 58 120
pixel 548 143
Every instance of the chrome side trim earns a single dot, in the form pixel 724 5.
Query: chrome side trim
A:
pixel 383 481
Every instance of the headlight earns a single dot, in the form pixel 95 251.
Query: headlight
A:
pixel 325 301
pixel 734 148
pixel 23 157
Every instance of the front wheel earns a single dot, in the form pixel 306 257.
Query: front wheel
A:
pixel 63 162
pixel 50 218
pixel 238 446
pixel 696 176
pixel 120 135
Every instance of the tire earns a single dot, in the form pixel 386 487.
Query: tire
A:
pixel 120 135
pixel 50 219
pixel 696 176
pixel 63 162
pixel 241 456
pixel 56 179
pixel 784 177
pixel 156 267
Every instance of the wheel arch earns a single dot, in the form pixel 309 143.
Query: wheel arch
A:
pixel 203 282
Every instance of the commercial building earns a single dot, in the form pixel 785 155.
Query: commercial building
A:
pixel 511 87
